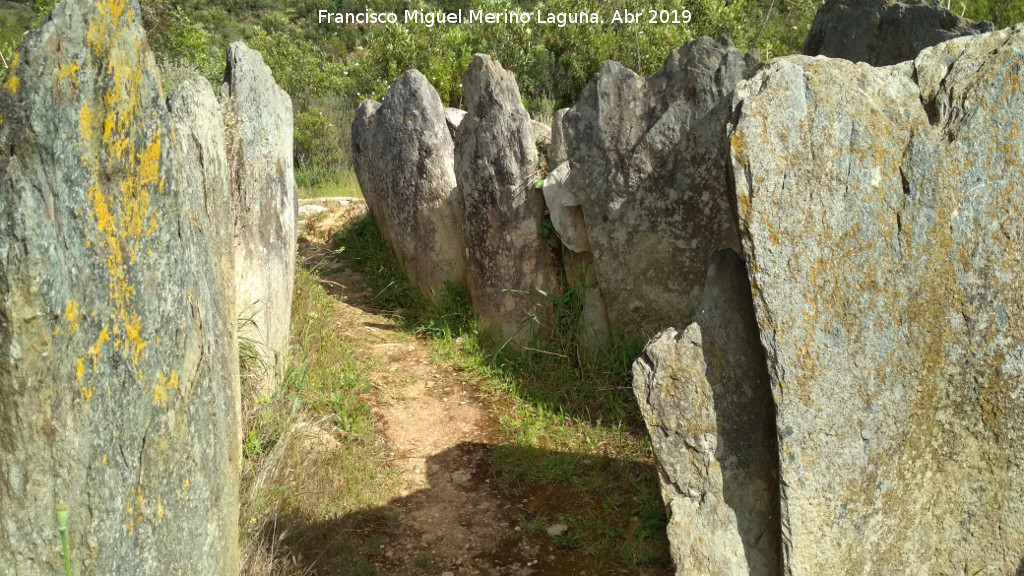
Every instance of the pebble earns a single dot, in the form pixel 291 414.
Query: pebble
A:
pixel 447 573
pixel 557 530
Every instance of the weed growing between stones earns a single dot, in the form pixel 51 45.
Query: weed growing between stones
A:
pixel 572 434
pixel 314 436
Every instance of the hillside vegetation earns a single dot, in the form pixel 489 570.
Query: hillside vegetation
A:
pixel 328 69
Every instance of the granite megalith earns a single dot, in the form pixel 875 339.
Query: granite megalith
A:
pixel 882 216
pixel 648 161
pixel 258 120
pixel 404 159
pixel 119 390
pixel 706 399
pixel 508 262
pixel 884 32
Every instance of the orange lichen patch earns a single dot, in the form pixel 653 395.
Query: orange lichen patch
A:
pixel 79 369
pixel 12 83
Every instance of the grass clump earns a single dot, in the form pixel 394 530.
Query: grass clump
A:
pixel 573 437
pixel 313 437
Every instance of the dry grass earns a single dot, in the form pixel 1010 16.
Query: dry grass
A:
pixel 310 457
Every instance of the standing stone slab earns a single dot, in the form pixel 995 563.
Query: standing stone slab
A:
pixel 404 159
pixel 203 171
pixel 882 215
pixel 118 374
pixel 556 150
pixel 883 32
pixel 258 116
pixel 507 260
pixel 648 160
pixel 706 399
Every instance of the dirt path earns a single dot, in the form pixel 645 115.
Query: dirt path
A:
pixel 448 514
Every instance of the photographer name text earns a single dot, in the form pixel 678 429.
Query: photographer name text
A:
pixel 560 19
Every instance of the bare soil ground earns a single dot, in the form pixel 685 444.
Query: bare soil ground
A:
pixel 448 512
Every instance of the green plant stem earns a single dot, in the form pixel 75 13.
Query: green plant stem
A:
pixel 62 527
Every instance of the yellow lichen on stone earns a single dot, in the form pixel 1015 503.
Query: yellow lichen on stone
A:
pixel 159 396
pixel 12 83
pixel 71 313
pixel 70 73
pixel 97 348
pixel 79 369
pixel 112 128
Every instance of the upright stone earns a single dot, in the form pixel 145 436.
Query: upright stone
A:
pixel 258 116
pixel 118 373
pixel 648 160
pixel 882 228
pixel 203 170
pixel 884 32
pixel 405 162
pixel 556 150
pixel 706 399
pixel 508 261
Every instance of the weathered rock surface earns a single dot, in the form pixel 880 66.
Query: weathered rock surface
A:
pixel 203 170
pixel 496 165
pixel 453 116
pixel 259 123
pixel 882 220
pixel 118 379
pixel 884 32
pixel 564 209
pixel 706 399
pixel 556 150
pixel 541 137
pixel 648 161
pixel 404 160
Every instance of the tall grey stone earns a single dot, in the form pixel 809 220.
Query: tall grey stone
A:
pixel 258 117
pixel 556 150
pixel 648 160
pixel 507 259
pixel 881 213
pixel 706 398
pixel 203 170
pixel 404 159
pixel 118 374
pixel 884 32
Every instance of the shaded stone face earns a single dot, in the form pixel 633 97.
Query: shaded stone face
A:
pixel 507 259
pixel 648 162
pixel 706 399
pixel 258 119
pixel 404 159
pixel 882 32
pixel 882 212
pixel 118 364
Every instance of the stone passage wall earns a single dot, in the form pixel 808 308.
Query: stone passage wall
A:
pixel 118 368
pixel 258 116
pixel 405 162
pixel 842 244
pixel 882 231
pixel 120 215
